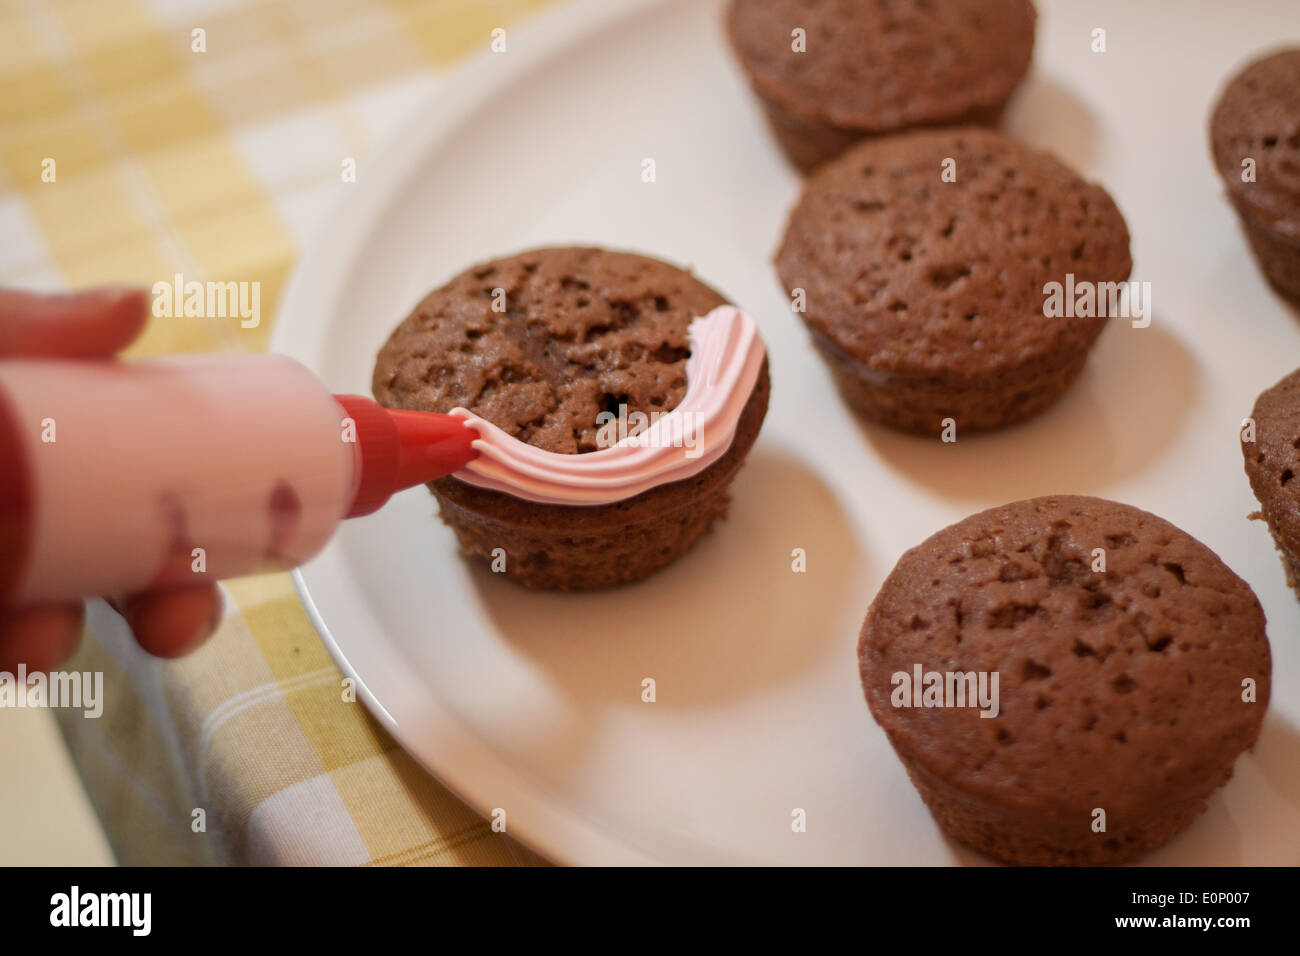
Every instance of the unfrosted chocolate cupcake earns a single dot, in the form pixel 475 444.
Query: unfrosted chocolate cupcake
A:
pixel 927 298
pixel 1273 467
pixel 862 67
pixel 576 332
pixel 1255 138
pixel 1122 698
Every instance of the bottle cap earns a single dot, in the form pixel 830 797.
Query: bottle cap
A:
pixel 399 449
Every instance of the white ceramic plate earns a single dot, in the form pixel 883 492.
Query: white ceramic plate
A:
pixel 532 702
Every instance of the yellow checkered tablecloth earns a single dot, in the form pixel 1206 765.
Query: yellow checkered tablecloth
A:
pixel 219 164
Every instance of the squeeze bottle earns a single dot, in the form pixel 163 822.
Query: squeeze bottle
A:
pixel 118 476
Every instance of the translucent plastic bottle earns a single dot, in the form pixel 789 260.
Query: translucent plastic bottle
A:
pixel 121 476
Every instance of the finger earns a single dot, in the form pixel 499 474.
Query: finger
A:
pixel 174 621
pixel 94 323
pixel 40 636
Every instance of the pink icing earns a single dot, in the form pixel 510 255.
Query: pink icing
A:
pixel 726 355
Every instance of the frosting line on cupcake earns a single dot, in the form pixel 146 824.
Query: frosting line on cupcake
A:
pixel 723 367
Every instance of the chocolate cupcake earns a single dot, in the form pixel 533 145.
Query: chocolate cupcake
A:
pixel 1255 137
pixel 929 299
pixel 1084 711
pixel 558 349
pixel 1272 456
pixel 862 67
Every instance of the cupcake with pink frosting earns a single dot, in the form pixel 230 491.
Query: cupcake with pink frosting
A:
pixel 615 397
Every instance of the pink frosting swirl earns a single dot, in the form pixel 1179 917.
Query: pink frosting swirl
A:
pixel 726 356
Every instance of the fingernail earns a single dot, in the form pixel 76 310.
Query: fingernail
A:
pixel 113 290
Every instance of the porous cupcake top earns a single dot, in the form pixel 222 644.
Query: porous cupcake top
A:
pixel 1273 458
pixel 1118 689
pixel 583 331
pixel 1258 117
pixel 907 273
pixel 875 65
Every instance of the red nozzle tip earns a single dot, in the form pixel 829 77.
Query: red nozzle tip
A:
pixel 399 449
pixel 431 446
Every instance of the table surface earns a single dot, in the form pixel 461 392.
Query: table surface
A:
pixel 219 164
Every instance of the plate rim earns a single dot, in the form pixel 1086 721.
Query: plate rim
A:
pixel 537 819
